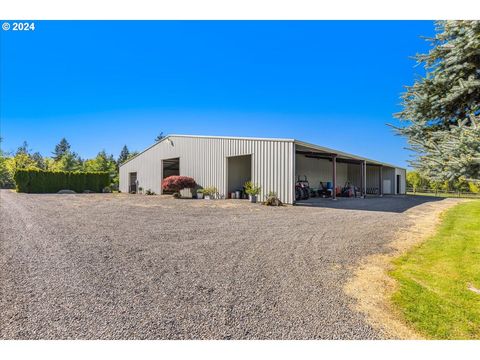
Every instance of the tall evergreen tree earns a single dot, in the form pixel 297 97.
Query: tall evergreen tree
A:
pixel 37 157
pixel 61 149
pixel 124 154
pixel 441 110
pixel 159 137
pixel 23 149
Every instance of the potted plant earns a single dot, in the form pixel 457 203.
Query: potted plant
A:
pixel 252 190
pixel 200 193
pixel 209 192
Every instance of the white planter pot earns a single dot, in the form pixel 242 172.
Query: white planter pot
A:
pixel 253 198
pixel 199 195
pixel 207 197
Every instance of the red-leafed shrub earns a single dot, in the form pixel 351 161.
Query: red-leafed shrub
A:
pixel 177 183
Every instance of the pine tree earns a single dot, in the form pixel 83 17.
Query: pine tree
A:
pixel 159 137
pixel 37 157
pixel 442 109
pixel 23 149
pixel 61 149
pixel 124 154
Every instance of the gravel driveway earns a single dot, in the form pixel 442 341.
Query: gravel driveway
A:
pixel 103 266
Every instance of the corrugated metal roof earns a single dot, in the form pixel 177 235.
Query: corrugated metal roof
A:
pixel 298 142
pixel 208 137
pixel 342 154
pixel 232 137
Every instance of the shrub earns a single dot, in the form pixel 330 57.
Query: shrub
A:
pixel 77 182
pixel 39 181
pixel 177 183
pixel 91 183
pixel 272 200
pixel 22 180
pixel 252 189
pixel 474 187
pixel 210 191
pixel 150 192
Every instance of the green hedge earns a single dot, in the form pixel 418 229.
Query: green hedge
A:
pixel 38 181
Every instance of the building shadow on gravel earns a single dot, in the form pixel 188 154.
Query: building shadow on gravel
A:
pixel 388 203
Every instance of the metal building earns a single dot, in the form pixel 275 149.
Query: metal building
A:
pixel 274 164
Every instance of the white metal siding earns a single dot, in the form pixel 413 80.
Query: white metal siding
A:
pixel 355 177
pixel 354 174
pixel 205 159
pixel 373 176
pixel 317 170
pixel 389 174
pixel 403 180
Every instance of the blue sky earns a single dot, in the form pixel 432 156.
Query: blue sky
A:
pixel 105 84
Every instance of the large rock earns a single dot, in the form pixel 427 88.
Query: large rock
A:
pixel 66 192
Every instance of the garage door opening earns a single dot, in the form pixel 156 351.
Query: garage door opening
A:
pixel 239 170
pixel 132 183
pixel 323 175
pixel 170 167
pixel 319 174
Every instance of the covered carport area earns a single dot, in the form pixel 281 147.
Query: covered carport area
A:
pixel 339 171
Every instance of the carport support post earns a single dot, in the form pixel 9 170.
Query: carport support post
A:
pixel 361 179
pixel 380 181
pixel 334 180
pixel 364 179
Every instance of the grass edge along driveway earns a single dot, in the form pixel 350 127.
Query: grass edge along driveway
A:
pixel 434 278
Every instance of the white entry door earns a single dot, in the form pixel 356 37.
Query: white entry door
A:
pixel 387 186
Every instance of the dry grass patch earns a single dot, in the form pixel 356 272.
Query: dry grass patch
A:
pixel 371 285
pixel 438 281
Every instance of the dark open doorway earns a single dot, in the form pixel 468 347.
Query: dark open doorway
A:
pixel 239 172
pixel 132 183
pixel 399 183
pixel 170 167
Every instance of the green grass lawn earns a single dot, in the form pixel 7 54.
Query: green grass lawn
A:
pixel 434 278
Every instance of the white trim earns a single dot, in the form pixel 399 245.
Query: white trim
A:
pixel 231 137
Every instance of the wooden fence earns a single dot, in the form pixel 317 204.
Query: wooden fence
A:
pixel 443 193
